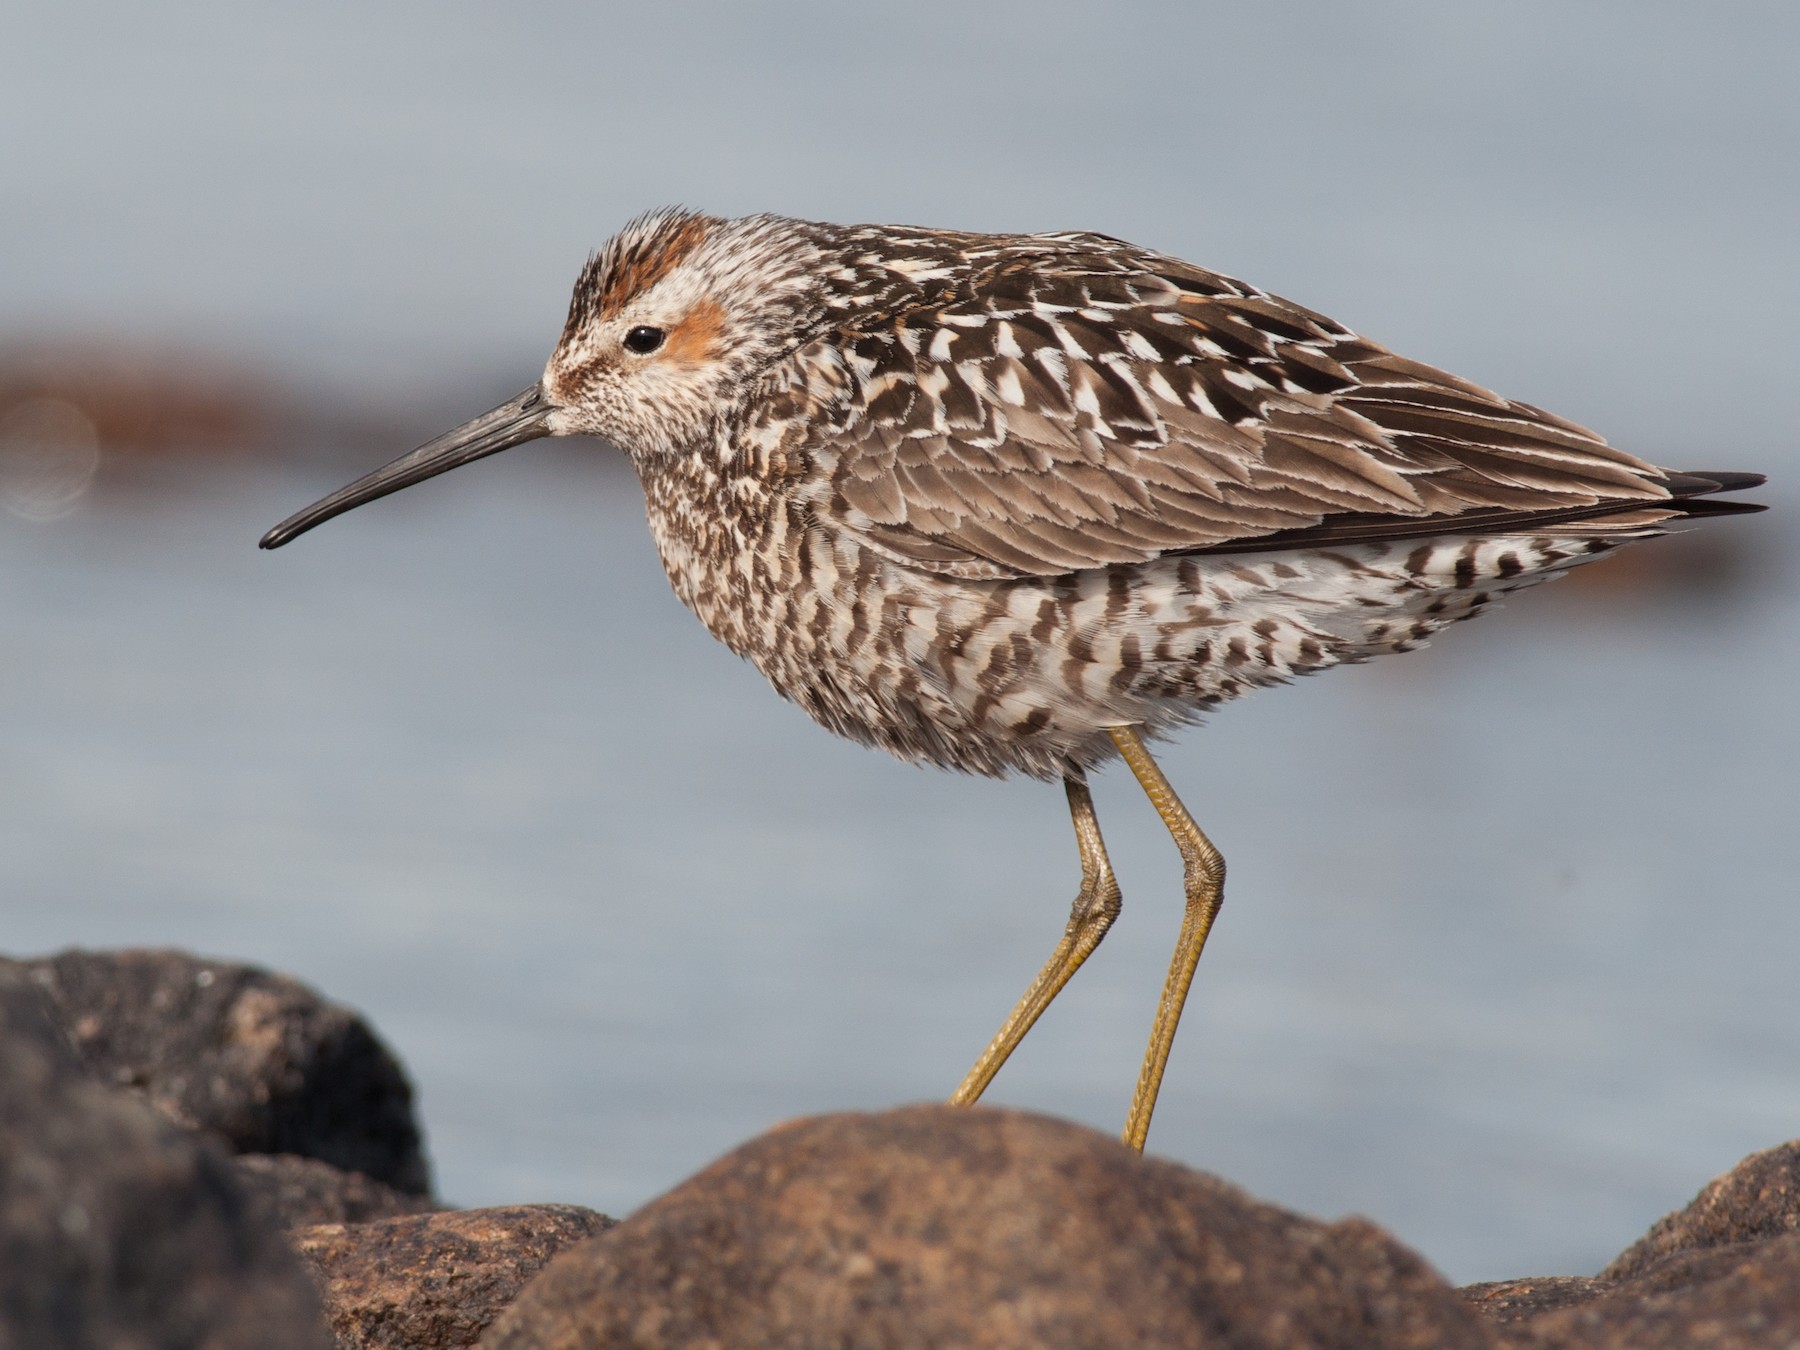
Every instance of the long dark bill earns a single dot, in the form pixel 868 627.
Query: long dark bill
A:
pixel 521 418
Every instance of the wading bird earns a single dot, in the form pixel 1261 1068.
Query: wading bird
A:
pixel 1020 503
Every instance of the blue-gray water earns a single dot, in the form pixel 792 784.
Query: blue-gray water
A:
pixel 1508 960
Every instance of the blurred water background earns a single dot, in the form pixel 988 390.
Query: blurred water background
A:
pixel 1509 958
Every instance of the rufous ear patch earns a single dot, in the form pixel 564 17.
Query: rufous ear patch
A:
pixel 696 338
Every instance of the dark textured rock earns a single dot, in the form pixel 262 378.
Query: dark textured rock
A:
pixel 435 1281
pixel 257 1059
pixel 117 1229
pixel 1759 1198
pixel 1508 1301
pixel 304 1191
pixel 1744 1296
pixel 978 1229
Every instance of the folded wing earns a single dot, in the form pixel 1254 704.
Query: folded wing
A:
pixel 1082 402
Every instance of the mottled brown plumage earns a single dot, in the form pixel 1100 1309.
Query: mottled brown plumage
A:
pixel 1014 502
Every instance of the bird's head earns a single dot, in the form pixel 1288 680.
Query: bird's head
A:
pixel 669 325
pixel 672 320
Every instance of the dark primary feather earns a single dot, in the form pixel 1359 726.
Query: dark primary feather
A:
pixel 1045 404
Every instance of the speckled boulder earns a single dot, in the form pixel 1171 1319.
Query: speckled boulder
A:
pixel 978 1229
pixel 1721 1274
pixel 1759 1198
pixel 434 1281
pixel 1742 1296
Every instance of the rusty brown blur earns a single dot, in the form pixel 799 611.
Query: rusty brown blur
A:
pixel 143 402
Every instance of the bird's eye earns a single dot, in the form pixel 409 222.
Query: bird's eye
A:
pixel 643 341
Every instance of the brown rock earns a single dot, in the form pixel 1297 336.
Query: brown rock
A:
pixel 981 1229
pixel 434 1281
pixel 1508 1301
pixel 118 1229
pixel 1758 1198
pixel 304 1191
pixel 1740 1297
pixel 1722 1274
pixel 258 1060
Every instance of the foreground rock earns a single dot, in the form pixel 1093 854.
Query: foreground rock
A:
pixel 120 1227
pixel 434 1282
pixel 208 1056
pixel 117 1229
pixel 258 1060
pixel 934 1226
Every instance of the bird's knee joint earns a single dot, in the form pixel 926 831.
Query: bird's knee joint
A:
pixel 1108 902
pixel 1205 883
pixel 1098 903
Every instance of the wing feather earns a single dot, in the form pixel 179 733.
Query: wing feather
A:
pixel 1070 401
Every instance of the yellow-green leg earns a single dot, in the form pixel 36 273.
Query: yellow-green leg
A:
pixel 1204 881
pixel 1095 907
